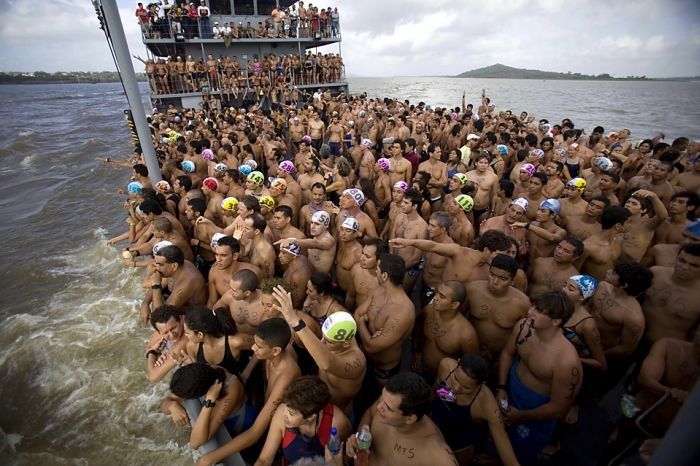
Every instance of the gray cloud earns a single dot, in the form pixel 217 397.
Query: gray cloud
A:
pixel 414 37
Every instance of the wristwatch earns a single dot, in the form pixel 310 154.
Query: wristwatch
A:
pixel 152 351
pixel 156 286
pixel 299 326
pixel 209 404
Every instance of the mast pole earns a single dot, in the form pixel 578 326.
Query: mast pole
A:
pixel 133 95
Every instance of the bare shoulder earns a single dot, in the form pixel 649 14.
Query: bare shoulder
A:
pixel 516 294
pixel 475 285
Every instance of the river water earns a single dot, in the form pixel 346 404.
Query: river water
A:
pixel 73 386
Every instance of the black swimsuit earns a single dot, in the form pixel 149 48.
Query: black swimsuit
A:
pixel 229 363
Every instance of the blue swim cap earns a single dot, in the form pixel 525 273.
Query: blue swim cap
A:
pixel 693 228
pixel 586 285
pixel 245 170
pixel 134 188
pixel 551 204
pixel 188 166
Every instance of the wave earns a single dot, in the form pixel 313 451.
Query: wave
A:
pixel 85 348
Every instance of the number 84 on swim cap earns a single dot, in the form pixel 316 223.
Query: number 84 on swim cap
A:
pixel 339 326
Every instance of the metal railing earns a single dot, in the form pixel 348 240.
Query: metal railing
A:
pixel 174 83
pixel 203 28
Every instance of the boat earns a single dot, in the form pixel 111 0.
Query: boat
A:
pixel 178 40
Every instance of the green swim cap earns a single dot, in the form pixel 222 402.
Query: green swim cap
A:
pixel 256 177
pixel 465 202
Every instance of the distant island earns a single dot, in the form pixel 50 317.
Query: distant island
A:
pixel 62 77
pixel 508 72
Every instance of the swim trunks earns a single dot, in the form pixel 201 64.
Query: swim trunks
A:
pixel 385 374
pixel 527 438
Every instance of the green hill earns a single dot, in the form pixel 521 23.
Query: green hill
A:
pixel 508 72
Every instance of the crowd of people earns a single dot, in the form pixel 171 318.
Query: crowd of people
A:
pixel 191 20
pixel 270 75
pixel 422 285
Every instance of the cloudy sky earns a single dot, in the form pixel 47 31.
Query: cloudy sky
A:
pixel 656 38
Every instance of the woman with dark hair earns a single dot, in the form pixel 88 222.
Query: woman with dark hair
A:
pixel 461 400
pixel 420 184
pixel 213 338
pixel 222 399
pixel 303 423
pixel 371 202
pixel 320 302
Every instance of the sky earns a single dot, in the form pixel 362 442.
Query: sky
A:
pixel 654 38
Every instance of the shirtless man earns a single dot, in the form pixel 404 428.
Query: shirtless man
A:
pixel 665 254
pixel 410 225
pixel 583 226
pixel 272 339
pixel 486 187
pixel 349 251
pixel 618 314
pixel 296 132
pixel 540 375
pixel 670 306
pixel 350 202
pixel 168 339
pixel 341 363
pixel 151 211
pixel 438 226
pixel 550 273
pixel 441 331
pixel 639 229
pixel 402 432
pixel 509 223
pixel 554 187
pixel 243 301
pixel 602 250
pixel 438 175
pixel 318 203
pixel 258 249
pixel 660 174
pixel 681 211
pixel 317 128
pixel 573 203
pixel 461 228
pixel 321 247
pixel 398 191
pixel 401 169
pixel 363 275
pixel 672 367
pixel 334 136
pixel 162 231
pixel 495 306
pixel 543 234
pixel 385 320
pixel 535 195
pixel 278 192
pixel 226 265
pixel 202 234
pixel 298 271
pixel 281 225
pixel 213 211
pixel 182 279
pixel 309 177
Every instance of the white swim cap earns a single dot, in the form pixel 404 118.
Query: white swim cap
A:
pixel 339 326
